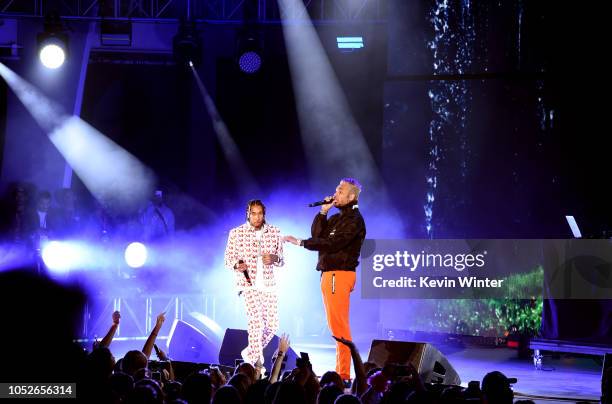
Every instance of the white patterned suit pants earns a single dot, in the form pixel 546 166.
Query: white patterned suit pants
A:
pixel 262 318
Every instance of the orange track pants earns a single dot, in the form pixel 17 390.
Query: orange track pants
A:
pixel 336 287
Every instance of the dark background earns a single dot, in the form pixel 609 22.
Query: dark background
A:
pixel 530 144
pixel 524 83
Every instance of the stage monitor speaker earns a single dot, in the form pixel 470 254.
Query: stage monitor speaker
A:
pixel 432 365
pixel 187 343
pixel 236 340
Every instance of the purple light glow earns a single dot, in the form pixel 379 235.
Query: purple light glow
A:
pixel 250 62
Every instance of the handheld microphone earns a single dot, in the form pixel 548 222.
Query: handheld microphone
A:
pixel 245 272
pixel 319 203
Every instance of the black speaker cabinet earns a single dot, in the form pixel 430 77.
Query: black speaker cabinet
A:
pixel 189 344
pixel 236 340
pixel 432 365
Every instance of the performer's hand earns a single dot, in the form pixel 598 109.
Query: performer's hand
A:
pixel 241 267
pixel 327 206
pixel 269 259
pixel 291 239
pixel 116 317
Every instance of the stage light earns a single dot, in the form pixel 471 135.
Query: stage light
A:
pixel 187 45
pixel 250 58
pixel 135 255
pixel 95 158
pixel 52 43
pixel 350 43
pixel 52 53
pixel 250 62
pixel 57 256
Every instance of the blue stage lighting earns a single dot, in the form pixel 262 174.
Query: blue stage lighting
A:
pixel 58 256
pixel 52 53
pixel 250 62
pixel 52 43
pixel 135 255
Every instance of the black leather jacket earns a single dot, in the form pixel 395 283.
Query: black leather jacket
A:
pixel 337 239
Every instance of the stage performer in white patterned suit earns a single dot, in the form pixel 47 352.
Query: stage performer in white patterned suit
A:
pixel 253 250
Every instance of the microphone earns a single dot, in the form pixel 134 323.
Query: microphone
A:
pixel 319 203
pixel 245 272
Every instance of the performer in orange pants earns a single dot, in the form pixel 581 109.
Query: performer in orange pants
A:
pixel 336 287
pixel 338 241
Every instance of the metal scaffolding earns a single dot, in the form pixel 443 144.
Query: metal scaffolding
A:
pixel 217 11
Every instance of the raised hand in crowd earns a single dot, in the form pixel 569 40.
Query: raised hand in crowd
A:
pixel 217 378
pixel 281 351
pixel 148 346
pixel 116 317
pixel 360 385
pixel 108 338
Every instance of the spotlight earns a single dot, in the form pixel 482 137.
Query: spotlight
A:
pixel 250 62
pixel 52 53
pixel 52 43
pixel 187 45
pixel 249 53
pixel 58 256
pixel 135 255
